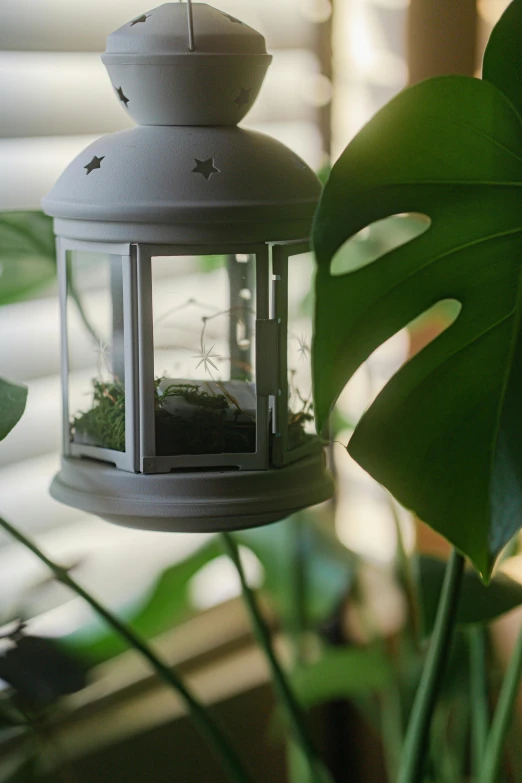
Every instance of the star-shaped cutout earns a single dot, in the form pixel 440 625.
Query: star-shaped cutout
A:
pixel 205 167
pixel 94 164
pixel 140 19
pixel 121 95
pixel 243 97
pixel 233 19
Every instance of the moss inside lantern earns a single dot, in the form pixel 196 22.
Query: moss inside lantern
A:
pixel 210 423
pixel 104 424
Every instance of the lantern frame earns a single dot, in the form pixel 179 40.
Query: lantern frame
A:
pixel 149 462
pixel 271 361
pixel 125 460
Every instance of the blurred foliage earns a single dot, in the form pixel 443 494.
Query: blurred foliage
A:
pixel 478 603
pixel 341 673
pixel 166 607
pixel 40 670
pixel 27 254
pixel 13 398
pixel 22 766
pixel 330 570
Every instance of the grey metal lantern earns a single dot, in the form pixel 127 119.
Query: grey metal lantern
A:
pixel 175 240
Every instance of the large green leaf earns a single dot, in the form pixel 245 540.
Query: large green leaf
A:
pixel 12 405
pixel 478 603
pixel 445 435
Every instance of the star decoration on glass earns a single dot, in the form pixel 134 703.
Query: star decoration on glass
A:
pixel 205 357
pixel 94 164
pixel 205 167
pixel 304 348
pixel 243 97
pixel 140 19
pixel 121 95
pixel 233 19
pixel 103 352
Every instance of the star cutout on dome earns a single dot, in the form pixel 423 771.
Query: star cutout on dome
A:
pixel 205 167
pixel 94 164
pixel 121 95
pixel 233 19
pixel 142 18
pixel 243 97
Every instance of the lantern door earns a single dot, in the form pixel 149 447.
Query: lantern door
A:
pixel 294 433
pixel 203 399
pixel 98 360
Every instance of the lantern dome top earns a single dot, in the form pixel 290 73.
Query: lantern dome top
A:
pixel 164 31
pixel 185 184
pixel 186 64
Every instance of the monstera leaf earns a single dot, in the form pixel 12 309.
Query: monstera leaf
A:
pixel 445 434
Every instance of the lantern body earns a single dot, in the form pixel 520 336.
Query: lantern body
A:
pixel 186 366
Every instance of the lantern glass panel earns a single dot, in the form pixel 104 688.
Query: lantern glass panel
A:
pixel 95 344
pixel 301 427
pixel 204 354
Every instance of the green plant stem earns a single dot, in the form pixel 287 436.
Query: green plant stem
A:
pixel 391 723
pixel 406 573
pixel 416 744
pixel 283 690
pixel 199 714
pixel 298 586
pixel 478 696
pixel 502 717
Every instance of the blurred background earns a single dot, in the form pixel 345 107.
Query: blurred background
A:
pixel 335 64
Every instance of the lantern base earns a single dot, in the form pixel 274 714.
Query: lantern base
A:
pixel 193 501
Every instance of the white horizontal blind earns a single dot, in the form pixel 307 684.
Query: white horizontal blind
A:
pixel 56 98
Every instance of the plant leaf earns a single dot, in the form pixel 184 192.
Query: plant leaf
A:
pixel 12 405
pixel 166 607
pixel 41 671
pixel 445 435
pixel 478 603
pixel 27 254
pixel 341 672
pixel 330 572
pixel 503 56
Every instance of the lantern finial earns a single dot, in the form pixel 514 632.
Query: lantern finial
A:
pixel 149 62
